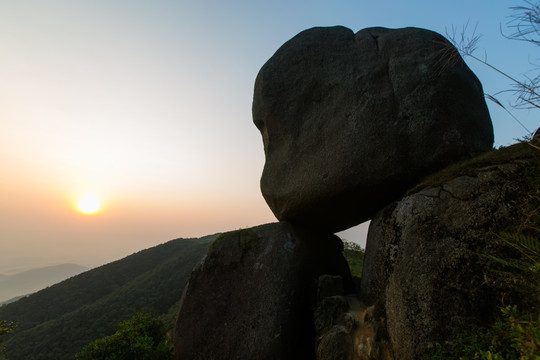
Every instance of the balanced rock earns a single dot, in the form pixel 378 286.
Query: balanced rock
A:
pixel 251 297
pixel 350 121
pixel 426 267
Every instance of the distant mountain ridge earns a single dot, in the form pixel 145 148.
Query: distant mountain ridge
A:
pixel 30 281
pixel 55 323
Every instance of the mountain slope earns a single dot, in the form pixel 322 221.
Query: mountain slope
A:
pixel 58 321
pixel 36 279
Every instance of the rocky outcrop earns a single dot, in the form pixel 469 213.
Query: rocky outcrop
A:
pixel 351 121
pixel 251 297
pixel 425 267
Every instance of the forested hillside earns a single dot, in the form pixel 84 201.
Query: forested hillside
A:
pixel 57 322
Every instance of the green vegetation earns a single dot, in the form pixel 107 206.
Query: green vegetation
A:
pixel 57 322
pixel 475 343
pixel 355 257
pixel 517 334
pixel 6 327
pixel 143 337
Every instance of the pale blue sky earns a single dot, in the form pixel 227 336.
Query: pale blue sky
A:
pixel 148 104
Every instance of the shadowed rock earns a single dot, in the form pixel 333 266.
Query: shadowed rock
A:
pixel 350 121
pixel 425 266
pixel 336 345
pixel 251 297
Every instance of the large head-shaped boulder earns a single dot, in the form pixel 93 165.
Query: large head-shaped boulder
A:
pixel 350 121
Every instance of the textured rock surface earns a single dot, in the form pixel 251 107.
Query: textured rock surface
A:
pixel 251 297
pixel 329 285
pixel 350 121
pixel 346 329
pixel 423 266
pixel 336 345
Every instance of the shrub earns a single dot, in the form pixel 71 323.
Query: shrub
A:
pixel 355 257
pixel 143 337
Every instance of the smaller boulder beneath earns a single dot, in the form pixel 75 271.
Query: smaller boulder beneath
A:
pixel 425 267
pixel 251 296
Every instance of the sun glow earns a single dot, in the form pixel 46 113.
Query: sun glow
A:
pixel 89 204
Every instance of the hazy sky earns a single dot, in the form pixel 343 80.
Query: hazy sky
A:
pixel 148 105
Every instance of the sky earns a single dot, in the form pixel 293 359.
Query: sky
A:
pixel 147 105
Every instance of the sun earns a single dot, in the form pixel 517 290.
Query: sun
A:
pixel 89 204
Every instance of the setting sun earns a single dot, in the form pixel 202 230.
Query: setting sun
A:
pixel 89 204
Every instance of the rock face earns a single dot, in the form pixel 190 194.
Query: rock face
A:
pixel 423 267
pixel 251 296
pixel 350 121
pixel 346 329
pixel 336 345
